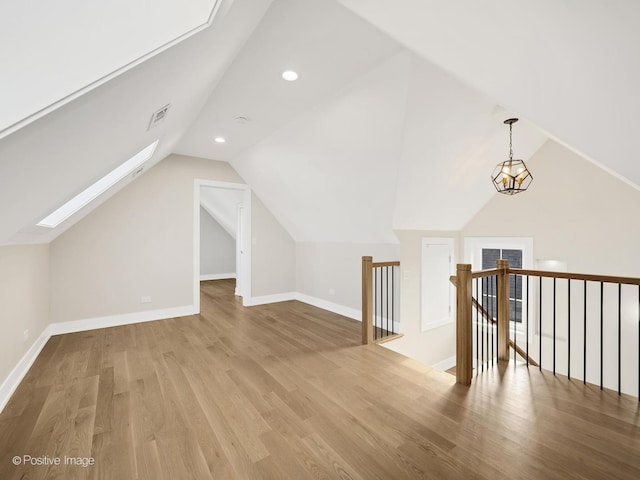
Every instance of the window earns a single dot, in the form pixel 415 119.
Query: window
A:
pixel 489 258
pixel 483 252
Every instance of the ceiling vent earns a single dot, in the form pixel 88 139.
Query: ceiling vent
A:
pixel 158 116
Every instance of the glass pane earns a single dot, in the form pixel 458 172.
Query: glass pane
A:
pixel 489 286
pixel 514 257
pixel 489 257
pixel 515 286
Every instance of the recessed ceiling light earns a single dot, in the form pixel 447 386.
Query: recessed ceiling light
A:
pixel 219 140
pixel 289 75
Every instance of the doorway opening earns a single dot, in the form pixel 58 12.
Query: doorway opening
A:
pixel 222 233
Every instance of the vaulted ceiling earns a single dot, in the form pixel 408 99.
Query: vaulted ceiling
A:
pixel 395 120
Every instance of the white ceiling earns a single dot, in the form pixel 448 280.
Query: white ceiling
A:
pixel 48 161
pixel 59 50
pixel 453 137
pixel 395 121
pixel 371 139
pixel 337 160
pixel 572 67
pixel 222 205
pixel 325 43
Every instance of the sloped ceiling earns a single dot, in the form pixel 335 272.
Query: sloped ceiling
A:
pixel 59 50
pixel 222 205
pixel 571 67
pixel 51 159
pixel 452 139
pixel 371 137
pixel 395 121
pixel 338 161
pixel 325 43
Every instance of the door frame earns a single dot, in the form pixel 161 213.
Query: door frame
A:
pixel 245 275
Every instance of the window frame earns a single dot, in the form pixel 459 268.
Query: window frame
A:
pixel 473 247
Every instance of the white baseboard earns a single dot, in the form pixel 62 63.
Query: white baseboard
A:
pixel 216 276
pixel 124 319
pixel 265 299
pixel 20 370
pixel 445 364
pixel 308 299
pixel 330 306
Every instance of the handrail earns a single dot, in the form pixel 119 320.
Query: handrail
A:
pixel 576 276
pixel 385 264
pixel 479 274
pixel 486 273
pixel 555 318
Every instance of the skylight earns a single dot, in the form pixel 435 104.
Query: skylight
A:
pixel 98 188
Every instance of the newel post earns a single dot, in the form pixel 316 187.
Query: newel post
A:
pixel 464 330
pixel 503 309
pixel 367 300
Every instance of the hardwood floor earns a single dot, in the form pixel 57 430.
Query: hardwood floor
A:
pixel 285 391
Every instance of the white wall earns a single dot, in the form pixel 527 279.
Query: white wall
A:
pixel 323 268
pixel 24 300
pixel 217 247
pixel 431 346
pixel 140 243
pixel 585 218
pixel 273 253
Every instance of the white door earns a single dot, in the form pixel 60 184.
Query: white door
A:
pixel 240 252
pixel 437 294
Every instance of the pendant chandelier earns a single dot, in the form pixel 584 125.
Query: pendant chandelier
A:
pixel 511 176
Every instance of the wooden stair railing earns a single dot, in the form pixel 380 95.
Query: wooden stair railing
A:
pixel 613 317
pixel 485 315
pixel 379 305
pixel 483 312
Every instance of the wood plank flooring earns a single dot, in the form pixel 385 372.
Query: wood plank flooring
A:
pixel 285 391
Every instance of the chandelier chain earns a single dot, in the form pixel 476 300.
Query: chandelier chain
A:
pixel 511 141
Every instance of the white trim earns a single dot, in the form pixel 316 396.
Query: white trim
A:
pixel 216 276
pixel 445 364
pixel 20 370
pixel 124 319
pixel 437 324
pixel 330 306
pixel 309 300
pixel 265 299
pixel 473 246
